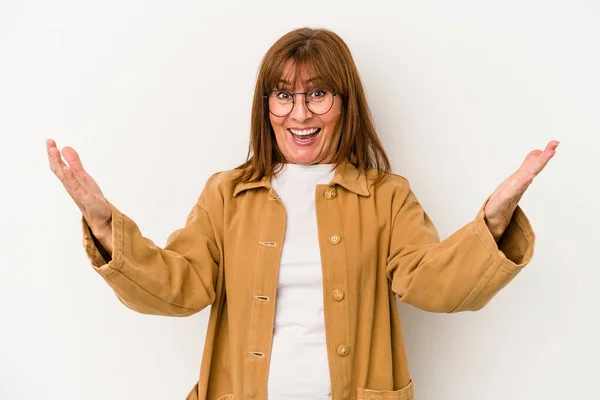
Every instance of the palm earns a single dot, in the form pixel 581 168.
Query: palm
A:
pixel 82 188
pixel 504 200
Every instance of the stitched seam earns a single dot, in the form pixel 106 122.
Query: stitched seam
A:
pixel 394 222
pixel 119 261
pixel 348 366
pixel 482 240
pixel 211 287
pixel 95 255
pixel 119 228
pixel 325 287
pixel 529 240
pixel 487 276
pixel 158 297
pixel 212 226
pixel 522 227
pixel 407 393
pixel 397 215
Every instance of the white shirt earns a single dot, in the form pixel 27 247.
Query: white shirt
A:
pixel 299 368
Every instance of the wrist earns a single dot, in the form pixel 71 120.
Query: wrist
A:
pixel 496 228
pixel 101 230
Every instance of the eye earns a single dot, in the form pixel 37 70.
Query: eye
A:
pixel 282 95
pixel 317 93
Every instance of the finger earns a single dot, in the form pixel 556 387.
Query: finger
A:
pixel 55 160
pixel 536 160
pixel 84 178
pixel 545 156
pixel 72 158
pixel 552 145
pixel 550 150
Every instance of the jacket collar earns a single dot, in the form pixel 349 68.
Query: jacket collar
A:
pixel 346 175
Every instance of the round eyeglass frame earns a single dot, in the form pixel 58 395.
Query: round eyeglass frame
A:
pixel 266 97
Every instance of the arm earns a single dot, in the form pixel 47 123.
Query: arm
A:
pixel 177 280
pixel 462 272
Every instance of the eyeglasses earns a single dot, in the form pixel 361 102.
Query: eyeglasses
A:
pixel 318 101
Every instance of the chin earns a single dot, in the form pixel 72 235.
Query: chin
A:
pixel 304 159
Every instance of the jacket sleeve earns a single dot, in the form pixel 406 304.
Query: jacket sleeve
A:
pixel 460 273
pixel 177 280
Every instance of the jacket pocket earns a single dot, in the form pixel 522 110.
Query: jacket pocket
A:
pixel 194 395
pixel 406 393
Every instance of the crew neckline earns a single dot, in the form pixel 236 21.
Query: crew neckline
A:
pixel 311 166
pixel 301 170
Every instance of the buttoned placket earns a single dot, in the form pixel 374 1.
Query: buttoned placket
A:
pixel 331 243
pixel 266 274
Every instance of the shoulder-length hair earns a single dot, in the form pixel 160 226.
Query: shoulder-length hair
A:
pixel 327 56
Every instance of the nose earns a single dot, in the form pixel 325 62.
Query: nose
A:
pixel 300 111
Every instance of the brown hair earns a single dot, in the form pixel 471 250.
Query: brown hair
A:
pixel 326 54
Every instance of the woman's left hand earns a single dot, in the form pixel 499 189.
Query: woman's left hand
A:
pixel 502 203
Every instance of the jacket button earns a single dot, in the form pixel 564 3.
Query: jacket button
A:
pixel 330 194
pixel 343 351
pixel 338 295
pixel 335 238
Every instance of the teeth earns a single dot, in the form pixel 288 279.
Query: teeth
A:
pixel 304 132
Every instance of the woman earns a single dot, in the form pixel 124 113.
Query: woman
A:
pixel 302 250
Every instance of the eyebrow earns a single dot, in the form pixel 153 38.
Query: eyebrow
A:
pixel 316 78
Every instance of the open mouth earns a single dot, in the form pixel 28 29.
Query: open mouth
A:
pixel 304 136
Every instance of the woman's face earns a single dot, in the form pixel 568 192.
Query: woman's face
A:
pixel 291 131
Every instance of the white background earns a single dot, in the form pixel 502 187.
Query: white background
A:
pixel 156 97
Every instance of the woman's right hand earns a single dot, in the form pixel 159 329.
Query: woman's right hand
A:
pixel 83 190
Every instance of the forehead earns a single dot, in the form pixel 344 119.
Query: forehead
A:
pixel 301 76
pixel 301 73
pixel 296 75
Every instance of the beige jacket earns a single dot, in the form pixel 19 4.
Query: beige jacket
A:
pixel 376 243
